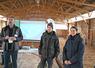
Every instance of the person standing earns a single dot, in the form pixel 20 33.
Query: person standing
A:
pixel 11 35
pixel 49 47
pixel 73 50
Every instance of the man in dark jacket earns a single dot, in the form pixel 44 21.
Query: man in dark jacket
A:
pixel 10 35
pixel 49 47
pixel 73 50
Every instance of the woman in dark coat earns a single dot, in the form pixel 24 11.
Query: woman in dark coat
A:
pixel 73 50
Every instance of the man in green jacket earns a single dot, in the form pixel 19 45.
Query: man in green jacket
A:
pixel 49 46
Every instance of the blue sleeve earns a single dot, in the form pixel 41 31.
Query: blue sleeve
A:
pixel 64 53
pixel 79 55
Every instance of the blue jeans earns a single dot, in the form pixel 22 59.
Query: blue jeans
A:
pixel 10 56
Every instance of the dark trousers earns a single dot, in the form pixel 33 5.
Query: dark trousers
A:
pixel 2 56
pixel 49 62
pixel 12 56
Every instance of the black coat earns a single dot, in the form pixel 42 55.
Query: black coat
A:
pixel 15 32
pixel 73 51
pixel 49 45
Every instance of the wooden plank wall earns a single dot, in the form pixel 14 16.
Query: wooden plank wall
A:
pixel 87 29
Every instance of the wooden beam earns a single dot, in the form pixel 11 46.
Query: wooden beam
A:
pixel 69 9
pixel 78 3
pixel 75 7
pixel 46 8
pixel 3 6
pixel 90 5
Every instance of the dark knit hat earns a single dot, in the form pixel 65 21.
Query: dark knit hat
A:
pixel 50 24
pixel 74 27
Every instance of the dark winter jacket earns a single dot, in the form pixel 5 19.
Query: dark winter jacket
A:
pixel 73 51
pixel 11 32
pixel 49 45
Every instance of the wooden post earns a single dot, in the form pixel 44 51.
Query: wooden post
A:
pixel 89 30
pixel 68 25
pixel 89 33
pixel 75 24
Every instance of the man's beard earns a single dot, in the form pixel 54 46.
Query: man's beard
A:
pixel 11 25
